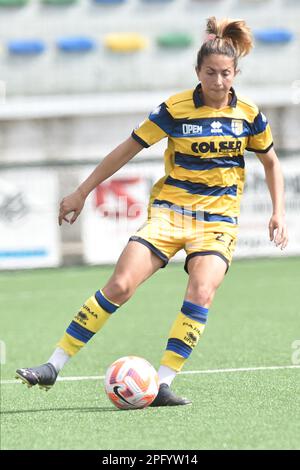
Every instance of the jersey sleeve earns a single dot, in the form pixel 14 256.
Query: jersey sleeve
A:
pixel 158 125
pixel 260 140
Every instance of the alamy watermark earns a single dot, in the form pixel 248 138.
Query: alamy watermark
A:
pixel 296 353
pixel 168 221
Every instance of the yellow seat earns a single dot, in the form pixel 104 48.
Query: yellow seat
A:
pixel 125 42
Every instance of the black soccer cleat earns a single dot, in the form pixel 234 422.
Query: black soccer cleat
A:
pixel 167 398
pixel 44 376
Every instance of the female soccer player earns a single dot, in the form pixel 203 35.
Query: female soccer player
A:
pixel 194 206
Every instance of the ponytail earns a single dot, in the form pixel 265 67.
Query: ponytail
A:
pixel 228 37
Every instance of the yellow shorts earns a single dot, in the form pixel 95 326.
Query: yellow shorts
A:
pixel 166 232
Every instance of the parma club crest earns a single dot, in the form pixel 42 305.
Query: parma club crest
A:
pixel 237 126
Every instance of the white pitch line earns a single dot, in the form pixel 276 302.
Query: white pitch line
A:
pixel 241 369
pixel 205 371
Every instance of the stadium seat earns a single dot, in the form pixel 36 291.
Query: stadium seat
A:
pixel 175 40
pixel 76 44
pixel 13 3
pixel 26 46
pixel 125 42
pixel 274 35
pixel 58 2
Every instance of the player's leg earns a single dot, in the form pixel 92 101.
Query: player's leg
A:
pixel 135 265
pixel 205 276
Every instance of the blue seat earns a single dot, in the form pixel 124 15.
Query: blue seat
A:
pixel 274 35
pixel 76 44
pixel 26 46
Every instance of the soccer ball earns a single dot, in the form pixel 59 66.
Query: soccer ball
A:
pixel 131 382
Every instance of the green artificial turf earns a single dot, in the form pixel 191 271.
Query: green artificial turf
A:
pixel 253 322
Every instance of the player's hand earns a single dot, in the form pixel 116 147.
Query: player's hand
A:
pixel 72 203
pixel 278 231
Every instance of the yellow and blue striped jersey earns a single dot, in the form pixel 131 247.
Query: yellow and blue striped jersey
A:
pixel 204 159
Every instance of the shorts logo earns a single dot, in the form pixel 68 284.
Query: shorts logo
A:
pixel 237 126
pixel 191 129
pixel 215 127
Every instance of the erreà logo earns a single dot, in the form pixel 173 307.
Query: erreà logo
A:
pixel 215 127
pixel 191 129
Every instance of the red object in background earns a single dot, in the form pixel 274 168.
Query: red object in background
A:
pixel 118 188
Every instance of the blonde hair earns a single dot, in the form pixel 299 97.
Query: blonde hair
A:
pixel 228 37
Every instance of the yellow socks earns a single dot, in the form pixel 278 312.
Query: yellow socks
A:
pixel 184 335
pixel 90 319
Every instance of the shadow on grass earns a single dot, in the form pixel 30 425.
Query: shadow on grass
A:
pixel 43 410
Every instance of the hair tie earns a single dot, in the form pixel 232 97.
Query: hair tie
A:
pixel 212 37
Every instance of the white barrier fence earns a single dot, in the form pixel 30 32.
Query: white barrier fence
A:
pixel 105 234
pixel 30 236
pixel 256 210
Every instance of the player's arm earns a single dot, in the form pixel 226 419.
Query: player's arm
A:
pixel 275 182
pixel 115 160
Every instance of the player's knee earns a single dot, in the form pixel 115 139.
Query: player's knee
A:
pixel 119 289
pixel 201 294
